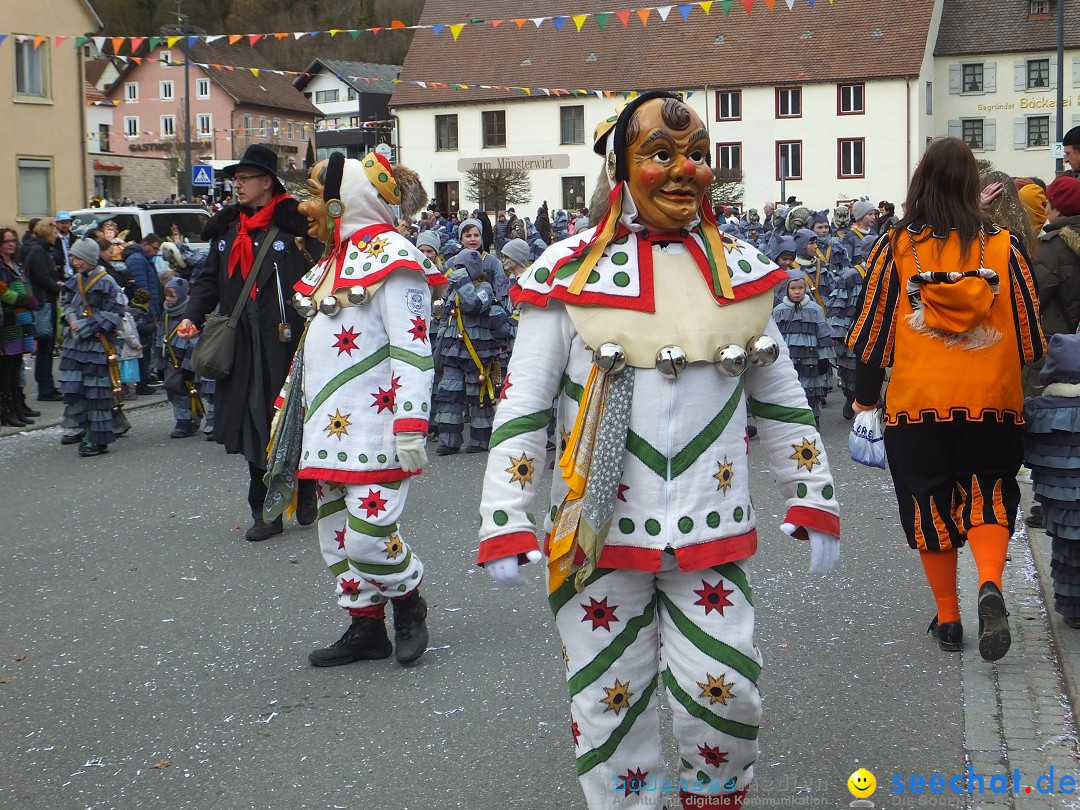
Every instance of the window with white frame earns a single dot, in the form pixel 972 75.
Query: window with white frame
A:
pixel 788 102
pixel 789 160
pixel 277 127
pixel 165 90
pixel 1038 131
pixel 35 184
pixel 326 96
pixel 204 125
pixel 973 132
pixel 1038 74
pixel 131 92
pixel 290 130
pixel 166 58
pixel 202 88
pixel 247 124
pixel 850 99
pixel 729 157
pixel 851 155
pixel 131 126
pixel 350 94
pixel 572 124
pixel 31 69
pixel 1039 7
pixel 971 77
pixel 728 105
pixel 168 126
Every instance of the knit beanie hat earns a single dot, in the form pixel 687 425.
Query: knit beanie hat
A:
pixel 861 208
pixel 181 287
pixel 1072 137
pixel 1064 195
pixel 471 223
pixel 429 238
pixel 87 250
pixel 517 251
pixel 1033 197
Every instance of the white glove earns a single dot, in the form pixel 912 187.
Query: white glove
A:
pixel 824 548
pixel 506 570
pixel 410 450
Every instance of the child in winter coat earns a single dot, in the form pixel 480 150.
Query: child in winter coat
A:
pixel 130 351
pixel 802 323
pixel 176 352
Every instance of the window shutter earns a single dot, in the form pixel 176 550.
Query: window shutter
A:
pixel 1019 75
pixel 956 129
pixel 1076 120
pixel 1020 133
pixel 1053 128
pixel 1076 71
pixel 989 133
pixel 1053 73
pixel 990 77
pixel 955 76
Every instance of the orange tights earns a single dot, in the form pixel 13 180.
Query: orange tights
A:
pixel 989 544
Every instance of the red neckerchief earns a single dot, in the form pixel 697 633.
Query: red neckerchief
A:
pixel 242 254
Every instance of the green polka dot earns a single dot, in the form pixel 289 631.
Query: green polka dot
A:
pixel 397 192
pixel 712 519
pixel 383 177
pixel 500 517
pixel 685 525
pixel 407 406
pixel 626 525
pixel 621 279
pixel 362 458
pixel 403 252
pixel 620 258
pixel 738 514
pixel 354 255
pixel 652 527
pixel 531 518
pixel 401 588
pixel 800 490
pixel 423 407
pixel 376 599
pixel 621 241
pixel 427 264
pixel 369 163
pixel 384 258
pixel 415 575
pixel 342 457
pixel 322 454
pixel 761 257
pixel 827 492
pixel 367 266
pixel 381 458
pixel 349 270
pixel 594 277
pixel 542 274
pixel 307 454
pixel 745 266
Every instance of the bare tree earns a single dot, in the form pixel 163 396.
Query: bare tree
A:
pixel 494 189
pixel 727 187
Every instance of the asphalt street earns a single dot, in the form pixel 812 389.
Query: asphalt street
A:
pixel 151 658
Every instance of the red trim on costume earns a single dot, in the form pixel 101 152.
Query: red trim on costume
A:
pixel 810 518
pixel 633 558
pixel 369 612
pixel 411 426
pixel 354 476
pixel 279 402
pixel 692 801
pixel 717 552
pixel 507 545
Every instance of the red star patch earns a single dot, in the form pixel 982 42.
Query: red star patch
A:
pixel 419 329
pixel 395 383
pixel 384 400
pixel 600 613
pixel 339 535
pixel 713 597
pixel 350 586
pixel 318 490
pixel 505 387
pixel 713 756
pixel 375 584
pixel 346 341
pixel 575 732
pixel 375 503
pixel 632 782
pixel 622 492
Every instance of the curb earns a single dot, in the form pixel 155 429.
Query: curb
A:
pixel 51 413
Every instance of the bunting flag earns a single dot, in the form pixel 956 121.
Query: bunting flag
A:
pixel 558 21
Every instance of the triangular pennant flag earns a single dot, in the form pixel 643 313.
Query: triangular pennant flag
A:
pixel 254 71
pixel 397 24
pixel 526 90
pixel 538 21
pixel 210 40
pixel 253 38
pixel 643 14
pixel 496 23
pixel 726 5
pixel 354 33
pixel 748 5
pixel 136 43
pixel 171 41
pixel 191 41
pixel 422 84
pixel 558 22
pixel 436 29
pixel 137 60
pixel 297 35
pixel 79 41
pixel 99 43
pixel 706 6
pixel 771 4
pixel 601 20
pixel 624 16
pixel 579 20
pixel 663 11
pixel 790 4
pixel 521 21
pixel 685 10
pixel 375 31
pixel 117 44
pixel 455 29
pixel 335 31
pixel 234 38
pixel 59 40
pixel 279 35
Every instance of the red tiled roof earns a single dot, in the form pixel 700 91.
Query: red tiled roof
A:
pixel 268 89
pixel 848 40
pixel 995 26
pixel 92 94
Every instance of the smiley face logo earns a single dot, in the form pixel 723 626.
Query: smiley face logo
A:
pixel 862 784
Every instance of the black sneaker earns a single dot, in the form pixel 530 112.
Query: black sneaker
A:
pixel 949 635
pixel 88 448
pixel 262 530
pixel 184 428
pixel 849 409
pixel 410 628
pixel 994 638
pixel 365 640
pixel 78 437
pixel 443 450
pixel 52 396
pixel 142 390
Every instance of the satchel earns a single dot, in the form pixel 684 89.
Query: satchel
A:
pixel 213 355
pixel 866 441
pixel 44 321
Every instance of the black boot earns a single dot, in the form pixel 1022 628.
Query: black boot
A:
pixel 20 395
pixel 183 429
pixel 949 635
pixel 410 629
pixel 307 505
pixel 261 530
pixel 849 408
pixel 19 411
pixel 88 448
pixel 8 417
pixel 994 637
pixel 365 640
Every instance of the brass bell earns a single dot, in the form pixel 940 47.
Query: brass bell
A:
pixel 329 306
pixel 438 306
pixel 112 358
pixel 610 357
pixel 358 295
pixel 481 378
pixel 671 361
pixel 763 351
pixel 304 306
pixel 731 360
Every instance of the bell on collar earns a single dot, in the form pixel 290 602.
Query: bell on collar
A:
pixel 303 305
pixel 438 306
pixel 358 295
pixel 731 360
pixel 671 361
pixel 610 357
pixel 329 306
pixel 763 351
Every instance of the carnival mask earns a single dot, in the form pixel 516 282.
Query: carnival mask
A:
pixel 314 207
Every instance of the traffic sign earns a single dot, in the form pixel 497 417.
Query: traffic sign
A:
pixel 202 175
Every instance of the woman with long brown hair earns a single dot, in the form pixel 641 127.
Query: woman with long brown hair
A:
pixel 950 305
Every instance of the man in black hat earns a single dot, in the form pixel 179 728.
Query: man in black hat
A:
pixel 268 331
pixel 1071 144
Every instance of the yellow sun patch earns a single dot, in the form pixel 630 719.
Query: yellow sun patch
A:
pixel 376 247
pixel 617 697
pixel 717 690
pixel 806 454
pixel 393 546
pixel 521 470
pixel 724 474
pixel 339 424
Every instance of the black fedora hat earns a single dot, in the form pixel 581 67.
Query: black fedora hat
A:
pixel 259 157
